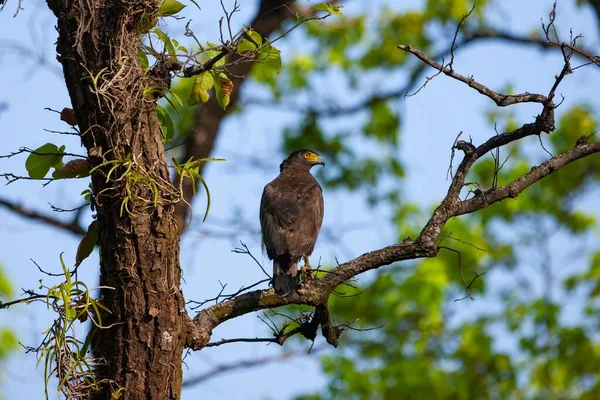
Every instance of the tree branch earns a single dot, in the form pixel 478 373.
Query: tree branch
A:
pixel 245 364
pixel 72 227
pixel 469 38
pixel 502 100
pixel 582 53
pixel 538 172
pixel 316 292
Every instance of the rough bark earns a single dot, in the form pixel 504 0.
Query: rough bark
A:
pixel 140 349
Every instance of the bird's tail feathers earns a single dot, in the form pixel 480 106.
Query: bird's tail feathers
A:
pixel 285 271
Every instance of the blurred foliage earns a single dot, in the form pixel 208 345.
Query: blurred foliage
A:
pixel 535 336
pixel 538 337
pixel 8 340
pixel 534 341
pixel 531 342
pixel 423 350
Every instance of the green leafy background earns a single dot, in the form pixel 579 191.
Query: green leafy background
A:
pixel 338 87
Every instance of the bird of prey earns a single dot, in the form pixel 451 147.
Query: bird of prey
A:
pixel 291 214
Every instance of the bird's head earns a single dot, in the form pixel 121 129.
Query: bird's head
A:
pixel 304 159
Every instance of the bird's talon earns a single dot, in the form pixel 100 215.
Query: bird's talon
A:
pixel 306 272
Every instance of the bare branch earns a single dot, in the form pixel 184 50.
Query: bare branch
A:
pixel 245 364
pixel 31 296
pixel 307 327
pixel 408 89
pixel 469 286
pixel 500 99
pixel 208 65
pixel 222 296
pixel 246 340
pixel 512 189
pixel 581 52
pixel 72 227
pixel 454 46
pixel 246 250
pixel 26 150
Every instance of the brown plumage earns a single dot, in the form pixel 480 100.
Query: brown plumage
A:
pixel 291 214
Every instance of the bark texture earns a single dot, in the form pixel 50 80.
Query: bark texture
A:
pixel 140 349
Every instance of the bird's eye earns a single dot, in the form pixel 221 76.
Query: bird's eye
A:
pixel 306 155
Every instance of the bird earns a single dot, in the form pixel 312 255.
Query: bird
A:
pixel 291 215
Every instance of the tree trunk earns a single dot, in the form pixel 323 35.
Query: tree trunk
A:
pixel 139 351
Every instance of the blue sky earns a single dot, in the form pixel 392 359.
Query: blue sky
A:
pixel 431 121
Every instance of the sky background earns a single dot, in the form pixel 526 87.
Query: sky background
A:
pixel 430 122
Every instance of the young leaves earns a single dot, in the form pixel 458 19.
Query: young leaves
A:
pixel 169 46
pixel 222 85
pixel 251 42
pixel 328 8
pixel 270 57
pixel 190 170
pixel 202 84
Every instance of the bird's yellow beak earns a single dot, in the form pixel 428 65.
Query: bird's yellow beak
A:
pixel 316 159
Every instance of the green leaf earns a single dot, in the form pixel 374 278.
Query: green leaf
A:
pixel 166 40
pixel 271 57
pixel 8 341
pixel 207 197
pixel 245 46
pixel 5 286
pixel 166 124
pixel 87 244
pixel 223 88
pixel 170 7
pixel 250 43
pixel 148 22
pixel 177 99
pixel 255 36
pixel 42 159
pixel 88 340
pixel 328 8
pixel 202 84
pixel 210 54
pixel 87 193
pixel 143 60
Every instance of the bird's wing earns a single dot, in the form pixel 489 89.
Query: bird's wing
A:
pixel 310 219
pixel 279 214
pixel 291 214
